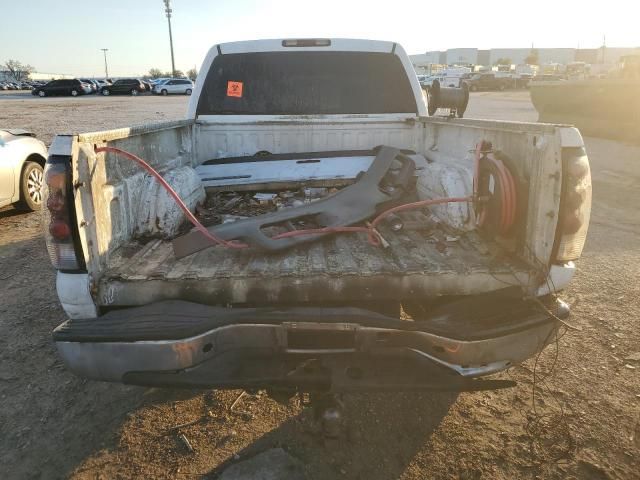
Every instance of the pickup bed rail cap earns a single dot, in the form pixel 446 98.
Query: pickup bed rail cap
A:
pixel 119 133
pixel 502 125
pixel 369 118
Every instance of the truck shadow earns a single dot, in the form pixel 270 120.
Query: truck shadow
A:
pixel 55 423
pixel 381 435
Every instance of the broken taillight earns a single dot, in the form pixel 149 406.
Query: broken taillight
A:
pixel 575 206
pixel 58 218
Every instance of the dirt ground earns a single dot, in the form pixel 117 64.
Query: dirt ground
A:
pixel 585 422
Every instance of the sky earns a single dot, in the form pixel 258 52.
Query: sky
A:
pixel 65 36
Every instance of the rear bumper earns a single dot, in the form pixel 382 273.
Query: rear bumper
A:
pixel 182 344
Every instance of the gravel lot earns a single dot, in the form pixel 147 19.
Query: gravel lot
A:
pixel 586 422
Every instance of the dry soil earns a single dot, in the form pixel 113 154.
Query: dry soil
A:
pixel 584 422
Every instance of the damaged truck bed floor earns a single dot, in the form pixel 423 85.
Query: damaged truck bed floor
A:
pixel 336 269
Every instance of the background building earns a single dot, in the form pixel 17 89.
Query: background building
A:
pixel 564 56
pixel 462 56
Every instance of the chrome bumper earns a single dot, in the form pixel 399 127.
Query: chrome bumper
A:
pixel 113 360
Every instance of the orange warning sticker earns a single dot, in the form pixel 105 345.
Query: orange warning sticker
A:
pixel 234 89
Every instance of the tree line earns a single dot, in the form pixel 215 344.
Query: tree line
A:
pixel 157 73
pixel 19 71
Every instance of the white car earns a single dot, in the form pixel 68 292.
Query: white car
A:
pixel 22 159
pixel 182 86
pixel 87 88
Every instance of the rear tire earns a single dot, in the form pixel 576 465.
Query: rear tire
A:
pixel 134 92
pixel 31 181
pixel 74 93
pixel 188 92
pixel 106 92
pixel 164 92
pixel 42 94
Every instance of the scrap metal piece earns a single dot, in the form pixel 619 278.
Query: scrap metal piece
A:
pixel 353 204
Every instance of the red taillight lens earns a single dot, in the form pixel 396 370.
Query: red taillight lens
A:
pixel 575 205
pixel 57 216
pixel 59 230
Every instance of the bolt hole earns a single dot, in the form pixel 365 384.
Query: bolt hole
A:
pixel 207 348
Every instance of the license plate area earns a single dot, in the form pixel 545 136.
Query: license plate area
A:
pixel 319 338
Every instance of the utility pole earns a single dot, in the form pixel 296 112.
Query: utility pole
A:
pixel 106 68
pixel 167 10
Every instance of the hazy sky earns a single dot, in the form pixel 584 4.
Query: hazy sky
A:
pixel 64 36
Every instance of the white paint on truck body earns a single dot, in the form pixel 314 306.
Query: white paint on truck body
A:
pixel 74 292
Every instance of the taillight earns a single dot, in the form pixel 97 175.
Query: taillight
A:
pixel 58 215
pixel 575 206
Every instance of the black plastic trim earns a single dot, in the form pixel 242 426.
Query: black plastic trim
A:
pixel 471 318
pixel 260 369
pixel 269 157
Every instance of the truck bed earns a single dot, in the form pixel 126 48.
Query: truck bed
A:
pixel 337 269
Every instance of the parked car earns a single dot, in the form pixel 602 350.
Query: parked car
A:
pixel 523 80
pixel 102 83
pixel 487 81
pixel 449 78
pixel 124 86
pixel 91 83
pixel 325 315
pixel 182 86
pixel 22 159
pixel 548 77
pixel 73 87
pixel 87 87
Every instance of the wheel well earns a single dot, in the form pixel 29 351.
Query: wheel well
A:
pixel 36 158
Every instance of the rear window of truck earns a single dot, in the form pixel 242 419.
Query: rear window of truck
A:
pixel 306 83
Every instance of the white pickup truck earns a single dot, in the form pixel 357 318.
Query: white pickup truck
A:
pixel 456 282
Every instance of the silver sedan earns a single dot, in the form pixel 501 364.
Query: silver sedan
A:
pixel 22 158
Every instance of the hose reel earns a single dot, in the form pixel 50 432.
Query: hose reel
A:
pixel 455 99
pixel 494 192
